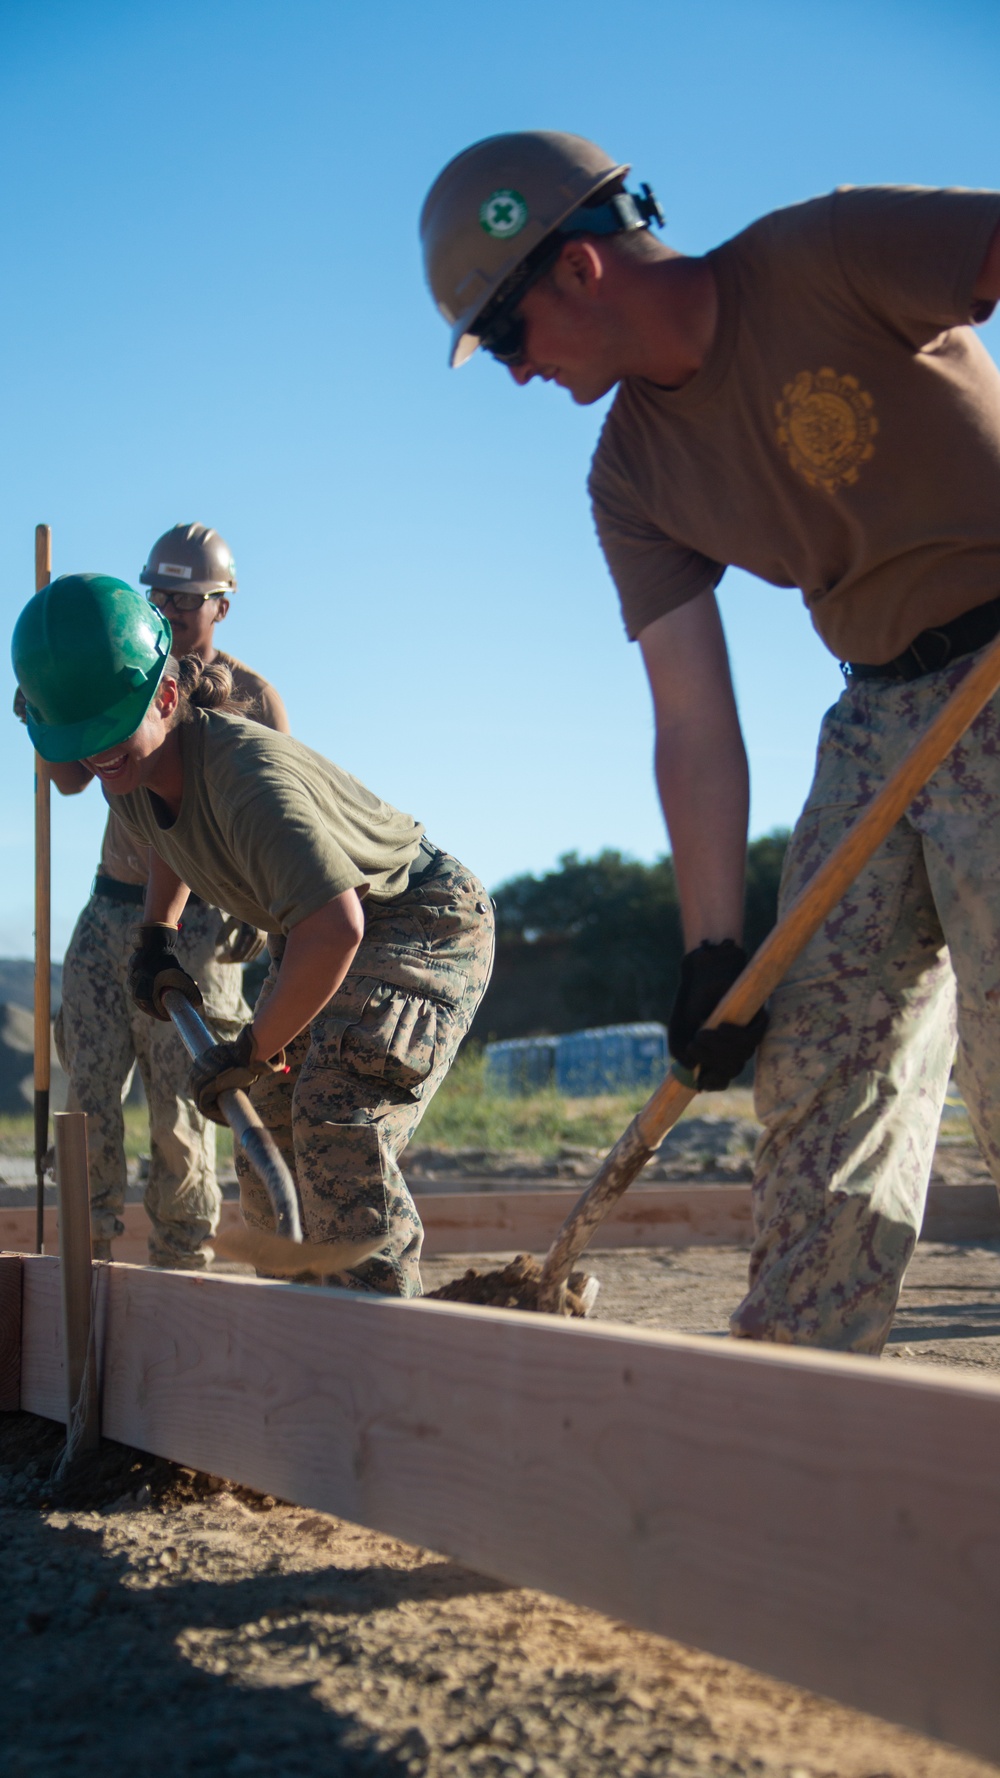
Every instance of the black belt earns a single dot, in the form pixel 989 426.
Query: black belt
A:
pixel 425 861
pixel 135 893
pixel 113 890
pixel 934 649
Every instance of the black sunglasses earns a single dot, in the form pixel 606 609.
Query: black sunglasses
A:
pixel 505 339
pixel 500 328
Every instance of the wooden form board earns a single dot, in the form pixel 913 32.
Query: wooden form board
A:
pixel 832 1521
pixel 526 1221
pixel 477 1222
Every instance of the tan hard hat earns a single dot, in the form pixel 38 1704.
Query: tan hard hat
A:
pixel 492 206
pixel 190 559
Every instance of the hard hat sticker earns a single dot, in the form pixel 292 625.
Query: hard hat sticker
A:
pixel 173 568
pixel 503 214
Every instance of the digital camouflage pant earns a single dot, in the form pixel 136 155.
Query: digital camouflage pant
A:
pixel 853 1072
pixel 363 1074
pixel 100 1033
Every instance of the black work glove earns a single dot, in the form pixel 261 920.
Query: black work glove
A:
pixel 716 1056
pixel 153 966
pixel 232 1064
pixel 238 941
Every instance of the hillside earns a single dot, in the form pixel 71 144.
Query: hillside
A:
pixel 17 983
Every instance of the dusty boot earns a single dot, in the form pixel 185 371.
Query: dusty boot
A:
pixel 100 1249
pixel 176 1259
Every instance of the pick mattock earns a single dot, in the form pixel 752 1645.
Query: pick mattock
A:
pixel 43 934
pixel 283 1252
pixel 765 970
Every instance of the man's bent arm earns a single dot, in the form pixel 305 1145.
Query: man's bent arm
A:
pixel 987 286
pixel 701 767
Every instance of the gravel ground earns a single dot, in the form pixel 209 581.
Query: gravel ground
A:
pixel 171 1624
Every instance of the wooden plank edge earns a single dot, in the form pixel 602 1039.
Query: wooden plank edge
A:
pixel 10 1332
pixel 829 1520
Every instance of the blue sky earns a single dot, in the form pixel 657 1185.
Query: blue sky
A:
pixel 213 308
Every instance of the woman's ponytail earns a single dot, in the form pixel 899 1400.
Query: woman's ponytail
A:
pixel 204 686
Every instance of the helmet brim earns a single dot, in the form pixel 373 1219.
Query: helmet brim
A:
pixel 59 743
pixel 463 344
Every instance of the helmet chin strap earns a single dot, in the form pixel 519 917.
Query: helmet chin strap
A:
pixel 619 215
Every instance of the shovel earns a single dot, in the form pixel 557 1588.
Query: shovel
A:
pixel 766 968
pixel 284 1252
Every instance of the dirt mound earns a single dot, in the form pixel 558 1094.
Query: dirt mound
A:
pixel 514 1286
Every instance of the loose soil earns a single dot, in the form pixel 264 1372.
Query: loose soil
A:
pixel 513 1286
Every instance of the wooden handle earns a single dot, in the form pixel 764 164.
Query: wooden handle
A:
pixel 811 906
pixel 767 967
pixel 43 929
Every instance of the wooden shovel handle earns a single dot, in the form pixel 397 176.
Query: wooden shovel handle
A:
pixel 43 932
pixel 767 967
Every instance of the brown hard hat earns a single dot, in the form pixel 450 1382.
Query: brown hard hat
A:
pixel 190 559
pixel 492 206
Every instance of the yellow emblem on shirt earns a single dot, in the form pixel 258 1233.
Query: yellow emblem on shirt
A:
pixel 826 425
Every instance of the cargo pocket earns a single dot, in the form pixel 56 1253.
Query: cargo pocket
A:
pixel 389 1026
pixel 341 1180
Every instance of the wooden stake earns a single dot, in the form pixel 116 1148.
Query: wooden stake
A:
pixel 767 967
pixel 10 1332
pixel 43 933
pixel 73 1181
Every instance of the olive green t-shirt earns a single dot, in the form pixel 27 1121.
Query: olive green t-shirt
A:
pixel 270 830
pixel 842 436
pixel 122 857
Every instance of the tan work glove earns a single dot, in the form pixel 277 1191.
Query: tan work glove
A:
pixel 153 966
pixel 231 1064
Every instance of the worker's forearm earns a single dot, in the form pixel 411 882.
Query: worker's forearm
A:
pixel 317 956
pixel 166 895
pixel 705 792
pixel 70 776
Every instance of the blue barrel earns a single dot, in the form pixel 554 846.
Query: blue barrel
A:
pixel 520 1065
pixel 610 1059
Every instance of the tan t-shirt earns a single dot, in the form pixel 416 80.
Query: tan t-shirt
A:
pixel 122 857
pixel 270 830
pixel 842 436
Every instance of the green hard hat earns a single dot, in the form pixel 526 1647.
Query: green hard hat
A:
pixel 89 653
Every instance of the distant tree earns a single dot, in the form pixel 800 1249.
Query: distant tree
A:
pixel 765 858
pixel 598 941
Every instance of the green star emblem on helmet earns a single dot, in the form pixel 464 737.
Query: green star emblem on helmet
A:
pixel 503 214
